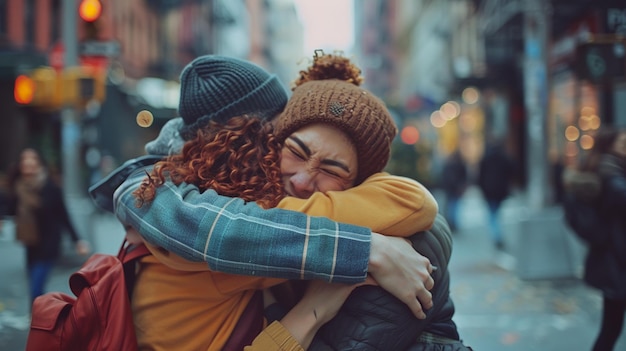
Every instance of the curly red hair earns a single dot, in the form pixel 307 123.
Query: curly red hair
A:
pixel 240 158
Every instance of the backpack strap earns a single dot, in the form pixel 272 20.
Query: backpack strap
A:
pixel 249 325
pixel 134 252
pixel 129 254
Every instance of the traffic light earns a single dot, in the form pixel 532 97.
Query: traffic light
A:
pixel 89 12
pixel 44 88
pixel 40 88
pixel 82 84
pixel 24 89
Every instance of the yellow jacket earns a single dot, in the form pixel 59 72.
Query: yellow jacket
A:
pixel 181 305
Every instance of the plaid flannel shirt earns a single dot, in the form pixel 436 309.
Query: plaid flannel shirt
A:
pixel 238 237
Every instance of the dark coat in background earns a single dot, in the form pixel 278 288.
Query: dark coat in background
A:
pixel 495 174
pixel 605 265
pixel 454 177
pixel 52 220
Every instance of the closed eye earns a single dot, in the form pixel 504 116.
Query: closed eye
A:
pixel 303 152
pixel 331 172
pixel 297 153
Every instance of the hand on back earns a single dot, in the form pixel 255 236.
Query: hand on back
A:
pixel 403 272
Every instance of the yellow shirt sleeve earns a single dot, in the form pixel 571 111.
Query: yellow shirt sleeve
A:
pixel 274 338
pixel 385 203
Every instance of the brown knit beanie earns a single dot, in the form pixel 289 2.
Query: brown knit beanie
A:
pixel 355 111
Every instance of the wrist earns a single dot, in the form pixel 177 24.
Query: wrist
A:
pixel 376 253
pixel 302 322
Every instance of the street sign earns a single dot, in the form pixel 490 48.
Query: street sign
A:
pixel 100 48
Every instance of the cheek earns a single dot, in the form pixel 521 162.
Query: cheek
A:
pixel 326 184
pixel 287 164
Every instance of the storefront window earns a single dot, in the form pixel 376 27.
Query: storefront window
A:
pixel 573 118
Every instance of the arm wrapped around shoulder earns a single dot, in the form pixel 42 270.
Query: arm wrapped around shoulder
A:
pixel 373 319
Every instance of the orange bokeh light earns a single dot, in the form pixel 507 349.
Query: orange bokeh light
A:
pixel 410 135
pixel 24 90
pixel 90 10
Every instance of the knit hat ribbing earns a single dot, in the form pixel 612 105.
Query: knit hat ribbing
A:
pixel 355 111
pixel 218 87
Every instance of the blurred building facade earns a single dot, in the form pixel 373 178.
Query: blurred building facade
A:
pixel 412 53
pixel 463 71
pixel 453 72
pixel 157 38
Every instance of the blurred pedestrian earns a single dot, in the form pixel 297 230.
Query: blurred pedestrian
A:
pixel 454 183
pixel 605 265
pixel 495 175
pixel 40 216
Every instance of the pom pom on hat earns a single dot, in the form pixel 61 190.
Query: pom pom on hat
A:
pixel 214 87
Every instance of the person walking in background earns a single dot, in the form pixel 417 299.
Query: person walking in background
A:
pixel 605 264
pixel 40 216
pixel 454 183
pixel 495 174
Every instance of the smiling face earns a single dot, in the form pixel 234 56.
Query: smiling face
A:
pixel 318 157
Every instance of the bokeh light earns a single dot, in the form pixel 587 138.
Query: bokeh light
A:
pixel 24 91
pixel 587 111
pixel 450 110
pixel 470 95
pixel 594 122
pixel 437 119
pixel 584 123
pixel 410 135
pixel 572 133
pixel 89 10
pixel 586 142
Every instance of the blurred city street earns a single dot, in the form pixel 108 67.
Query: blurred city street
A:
pixel 537 83
pixel 496 310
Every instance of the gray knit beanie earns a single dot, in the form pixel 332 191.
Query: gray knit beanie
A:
pixel 216 88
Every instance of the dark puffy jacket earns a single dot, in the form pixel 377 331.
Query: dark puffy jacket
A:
pixel 373 319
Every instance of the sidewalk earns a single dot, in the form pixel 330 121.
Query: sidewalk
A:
pixel 496 310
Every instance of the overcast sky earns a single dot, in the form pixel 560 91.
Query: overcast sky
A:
pixel 328 24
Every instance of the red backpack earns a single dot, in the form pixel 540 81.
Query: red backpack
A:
pixel 99 317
